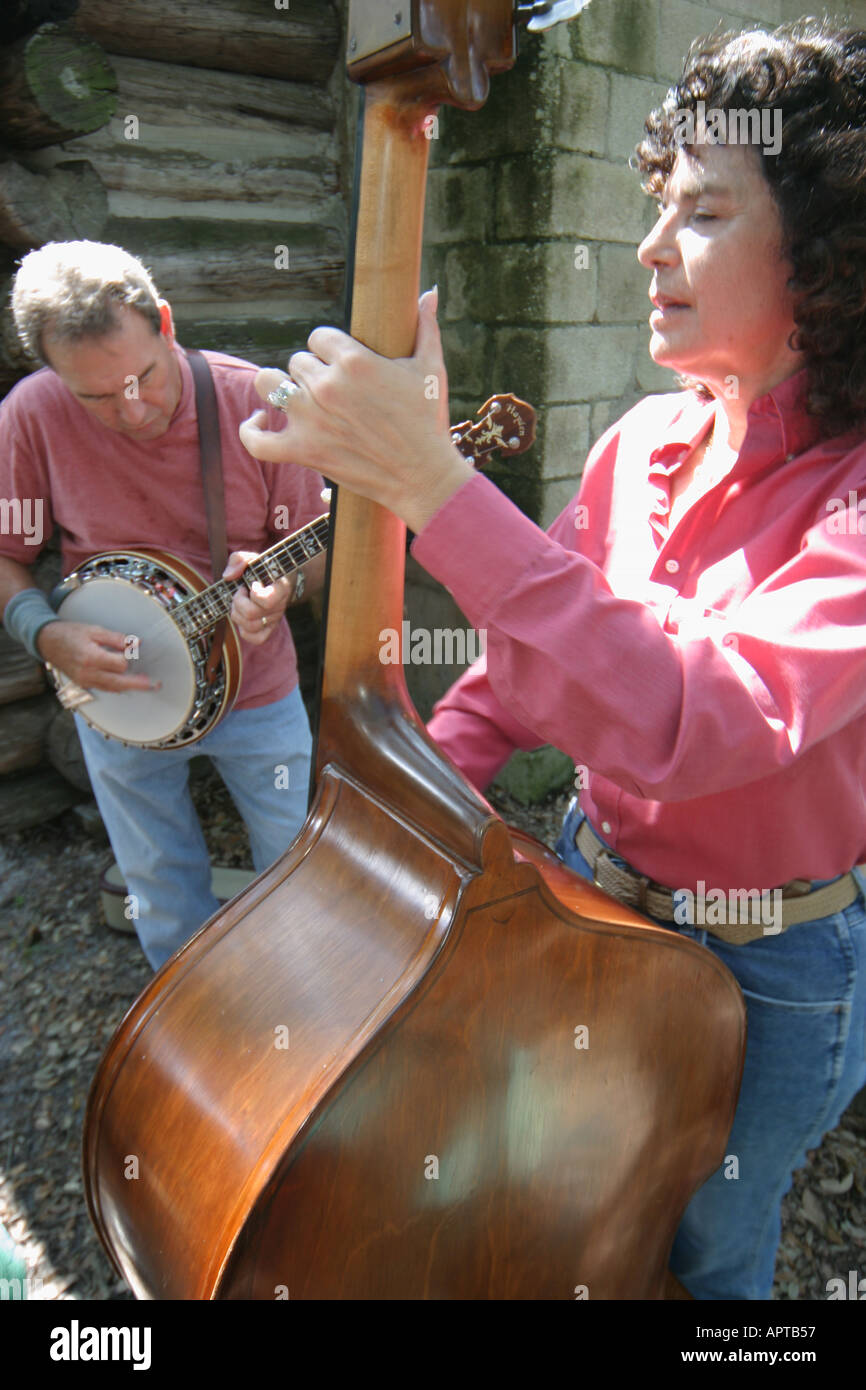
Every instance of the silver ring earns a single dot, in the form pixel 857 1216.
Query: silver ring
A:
pixel 282 394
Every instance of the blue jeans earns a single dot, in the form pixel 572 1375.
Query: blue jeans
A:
pixel 263 756
pixel 805 993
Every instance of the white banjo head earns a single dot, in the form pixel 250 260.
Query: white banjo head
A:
pixel 136 716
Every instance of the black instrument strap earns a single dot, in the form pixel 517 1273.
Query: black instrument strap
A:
pixel 210 452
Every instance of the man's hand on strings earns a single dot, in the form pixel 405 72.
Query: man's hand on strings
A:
pixel 377 426
pixel 257 611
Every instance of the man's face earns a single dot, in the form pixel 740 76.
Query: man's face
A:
pixel 723 308
pixel 129 379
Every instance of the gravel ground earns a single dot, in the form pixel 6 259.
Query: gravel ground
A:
pixel 66 981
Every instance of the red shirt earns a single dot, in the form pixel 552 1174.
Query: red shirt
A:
pixel 712 677
pixel 107 491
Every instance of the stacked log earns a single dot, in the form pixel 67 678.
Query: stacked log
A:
pixel 291 41
pixel 68 203
pixel 54 83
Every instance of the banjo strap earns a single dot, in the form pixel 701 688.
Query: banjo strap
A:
pixel 212 478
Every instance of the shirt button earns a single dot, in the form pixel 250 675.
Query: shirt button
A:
pixel 672 566
pixel 606 827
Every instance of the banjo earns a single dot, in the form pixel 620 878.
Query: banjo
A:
pixel 167 611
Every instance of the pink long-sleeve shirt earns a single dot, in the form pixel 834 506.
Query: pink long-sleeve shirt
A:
pixel 711 677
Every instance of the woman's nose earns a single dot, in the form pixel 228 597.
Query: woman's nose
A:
pixel 659 245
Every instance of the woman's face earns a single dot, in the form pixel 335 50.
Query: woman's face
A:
pixel 723 312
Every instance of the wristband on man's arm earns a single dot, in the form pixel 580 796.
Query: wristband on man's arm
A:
pixel 25 615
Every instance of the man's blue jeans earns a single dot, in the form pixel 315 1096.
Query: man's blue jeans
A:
pixel 805 993
pixel 263 756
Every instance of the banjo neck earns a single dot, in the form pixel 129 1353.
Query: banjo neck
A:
pixel 201 612
pixel 507 425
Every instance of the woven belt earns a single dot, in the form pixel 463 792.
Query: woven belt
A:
pixel 638 891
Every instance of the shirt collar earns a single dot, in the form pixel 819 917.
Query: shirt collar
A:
pixel 778 427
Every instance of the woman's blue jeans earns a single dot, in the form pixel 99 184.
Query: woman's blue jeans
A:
pixel 262 755
pixel 805 993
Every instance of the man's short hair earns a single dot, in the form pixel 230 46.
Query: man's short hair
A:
pixel 73 289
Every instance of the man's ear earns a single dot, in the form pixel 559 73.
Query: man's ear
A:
pixel 166 321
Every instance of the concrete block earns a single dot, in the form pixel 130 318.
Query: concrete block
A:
pixel 620 34
pixel 523 196
pixel 556 495
pixel 681 21
pixel 459 205
pixel 854 11
pixel 566 441
pixel 510 283
pixel 596 200
pixel 571 281
pixel 588 363
pixel 520 362
pixel 580 108
pixel 651 377
pixel 467 360
pixel 631 100
pixel 767 12
pixel 623 286
pixel 512 119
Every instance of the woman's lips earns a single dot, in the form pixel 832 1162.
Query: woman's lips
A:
pixel 665 308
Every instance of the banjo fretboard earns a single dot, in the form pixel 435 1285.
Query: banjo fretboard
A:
pixel 201 612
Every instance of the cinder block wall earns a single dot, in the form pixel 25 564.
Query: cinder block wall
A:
pixel 533 222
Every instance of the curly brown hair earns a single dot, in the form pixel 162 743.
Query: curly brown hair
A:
pixel 814 73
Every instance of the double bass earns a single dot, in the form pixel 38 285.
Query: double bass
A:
pixel 417 1057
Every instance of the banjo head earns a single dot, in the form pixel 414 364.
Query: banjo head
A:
pixel 140 717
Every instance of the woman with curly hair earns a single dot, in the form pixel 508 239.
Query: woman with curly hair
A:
pixel 692 628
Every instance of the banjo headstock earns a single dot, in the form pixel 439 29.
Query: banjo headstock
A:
pixel 507 424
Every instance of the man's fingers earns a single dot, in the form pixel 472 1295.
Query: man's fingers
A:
pixel 107 637
pixel 237 563
pixel 123 683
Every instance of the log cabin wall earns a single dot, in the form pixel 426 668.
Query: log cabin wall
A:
pixel 207 137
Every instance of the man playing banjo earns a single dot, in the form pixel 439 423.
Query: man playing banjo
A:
pixel 103 442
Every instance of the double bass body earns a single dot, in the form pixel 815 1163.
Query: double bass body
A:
pixel 418 1057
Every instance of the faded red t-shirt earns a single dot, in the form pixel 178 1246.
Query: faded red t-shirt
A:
pixel 107 491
